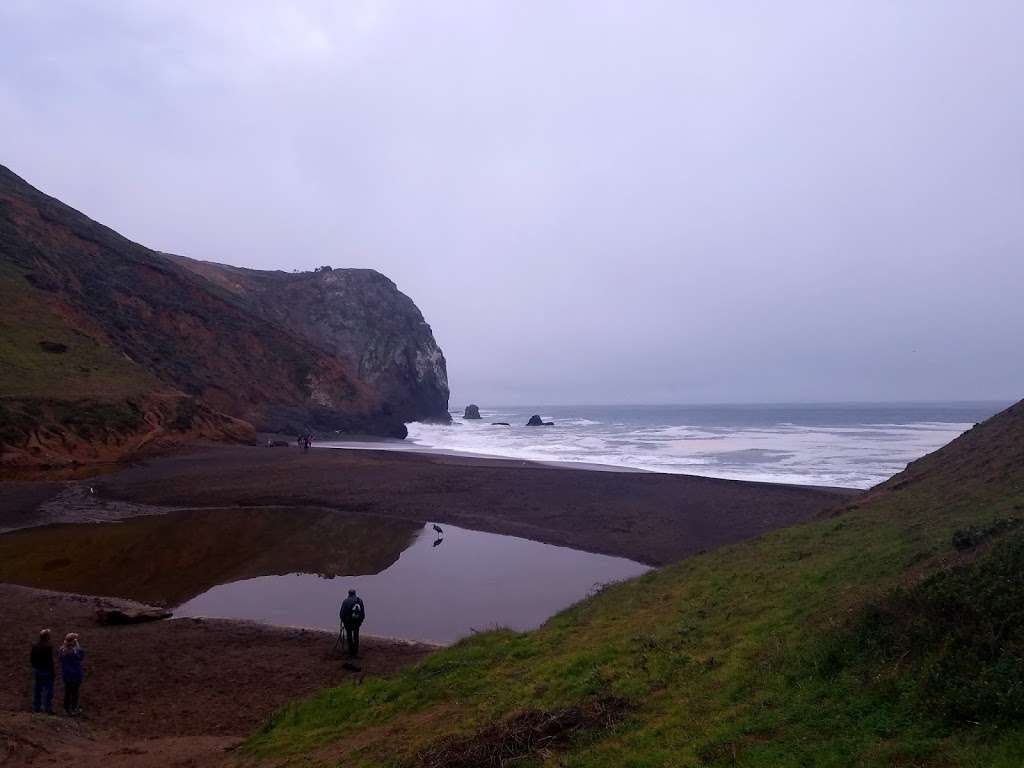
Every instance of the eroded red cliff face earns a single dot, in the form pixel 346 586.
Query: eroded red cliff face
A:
pixel 55 433
pixel 90 317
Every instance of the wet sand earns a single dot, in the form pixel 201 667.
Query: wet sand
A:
pixel 149 685
pixel 182 691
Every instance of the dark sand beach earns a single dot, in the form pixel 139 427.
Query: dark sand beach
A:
pixel 149 685
pixel 652 518
pixel 214 681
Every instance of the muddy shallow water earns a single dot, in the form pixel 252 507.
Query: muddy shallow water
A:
pixel 294 566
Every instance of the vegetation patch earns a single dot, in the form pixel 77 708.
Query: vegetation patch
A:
pixel 15 425
pixel 187 412
pixel 951 647
pixel 968 538
pixel 86 419
pixel 44 354
pixel 530 733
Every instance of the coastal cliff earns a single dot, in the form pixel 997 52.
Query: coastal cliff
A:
pixel 108 348
pixel 357 315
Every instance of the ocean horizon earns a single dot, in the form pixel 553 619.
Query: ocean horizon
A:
pixel 849 444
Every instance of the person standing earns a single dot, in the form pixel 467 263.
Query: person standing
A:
pixel 353 612
pixel 71 657
pixel 41 659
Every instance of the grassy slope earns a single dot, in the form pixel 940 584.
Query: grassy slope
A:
pixel 86 369
pixel 766 653
pixel 66 393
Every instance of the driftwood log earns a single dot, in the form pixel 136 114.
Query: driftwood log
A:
pixel 110 615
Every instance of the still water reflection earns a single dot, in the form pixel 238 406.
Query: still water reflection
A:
pixel 438 590
pixel 169 559
pixel 293 567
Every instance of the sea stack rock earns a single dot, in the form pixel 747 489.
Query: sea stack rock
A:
pixel 535 421
pixel 472 412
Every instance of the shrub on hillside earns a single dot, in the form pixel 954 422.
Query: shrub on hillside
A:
pixel 952 646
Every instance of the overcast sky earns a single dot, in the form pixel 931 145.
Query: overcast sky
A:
pixel 591 202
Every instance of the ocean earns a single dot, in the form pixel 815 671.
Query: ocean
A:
pixel 840 444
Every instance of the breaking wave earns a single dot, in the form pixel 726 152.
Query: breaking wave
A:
pixel 843 445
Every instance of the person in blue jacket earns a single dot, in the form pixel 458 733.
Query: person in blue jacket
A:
pixel 71 657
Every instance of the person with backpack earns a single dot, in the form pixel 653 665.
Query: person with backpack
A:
pixel 353 613
pixel 71 658
pixel 41 659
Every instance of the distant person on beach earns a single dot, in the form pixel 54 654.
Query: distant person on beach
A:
pixel 71 672
pixel 353 612
pixel 41 659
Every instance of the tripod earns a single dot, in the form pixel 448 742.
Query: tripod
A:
pixel 340 641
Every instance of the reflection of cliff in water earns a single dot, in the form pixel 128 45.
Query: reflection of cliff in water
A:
pixel 171 558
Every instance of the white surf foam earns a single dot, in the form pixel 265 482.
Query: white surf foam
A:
pixel 853 455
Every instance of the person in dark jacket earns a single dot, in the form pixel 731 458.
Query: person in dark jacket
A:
pixel 71 657
pixel 353 612
pixel 41 659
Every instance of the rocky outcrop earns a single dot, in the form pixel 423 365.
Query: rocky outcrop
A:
pixel 472 412
pixel 356 315
pixel 536 421
pixel 96 324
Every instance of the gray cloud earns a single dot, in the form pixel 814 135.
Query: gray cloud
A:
pixel 591 202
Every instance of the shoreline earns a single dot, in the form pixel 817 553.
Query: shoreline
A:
pixel 393 445
pixel 652 518
pixel 403 446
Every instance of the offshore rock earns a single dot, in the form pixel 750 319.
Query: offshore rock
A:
pixel 472 412
pixel 535 421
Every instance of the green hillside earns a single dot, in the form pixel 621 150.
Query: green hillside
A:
pixel 65 395
pixel 891 634
pixel 46 356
